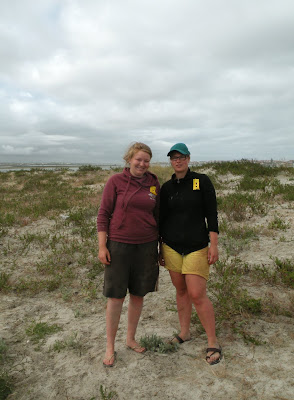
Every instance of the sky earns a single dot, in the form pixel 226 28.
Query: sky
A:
pixel 80 80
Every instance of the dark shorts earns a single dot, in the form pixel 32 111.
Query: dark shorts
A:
pixel 133 267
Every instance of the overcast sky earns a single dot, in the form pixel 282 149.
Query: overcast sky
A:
pixel 81 79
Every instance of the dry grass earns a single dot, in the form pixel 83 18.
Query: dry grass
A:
pixel 48 250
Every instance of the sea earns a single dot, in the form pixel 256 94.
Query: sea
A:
pixel 6 167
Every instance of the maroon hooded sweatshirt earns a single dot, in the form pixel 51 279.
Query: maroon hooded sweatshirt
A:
pixel 129 208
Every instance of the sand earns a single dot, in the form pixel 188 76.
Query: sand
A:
pixel 247 371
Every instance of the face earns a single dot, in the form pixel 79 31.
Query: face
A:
pixel 139 163
pixel 179 162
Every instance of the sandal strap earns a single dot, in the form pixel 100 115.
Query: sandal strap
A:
pixel 113 355
pixel 179 339
pixel 214 350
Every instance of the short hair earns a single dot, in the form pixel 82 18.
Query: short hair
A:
pixel 134 148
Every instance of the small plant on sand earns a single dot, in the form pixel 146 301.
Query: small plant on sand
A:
pixel 3 350
pixel 96 268
pixel 70 343
pixel 245 167
pixel 88 168
pixel 6 385
pixel 4 280
pixel 286 271
pixel 106 395
pixel 282 272
pixel 238 206
pixel 231 300
pixel 241 328
pixel 272 306
pixel 236 239
pixel 251 305
pixel 287 191
pixel 224 286
pixel 278 223
pixel 39 330
pixel 156 344
pixel 3 231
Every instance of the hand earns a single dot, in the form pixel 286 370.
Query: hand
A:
pixel 161 259
pixel 212 254
pixel 104 255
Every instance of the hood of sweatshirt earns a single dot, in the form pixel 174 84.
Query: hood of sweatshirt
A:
pixel 148 179
pixel 134 184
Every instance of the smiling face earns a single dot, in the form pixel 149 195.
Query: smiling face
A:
pixel 180 163
pixel 139 163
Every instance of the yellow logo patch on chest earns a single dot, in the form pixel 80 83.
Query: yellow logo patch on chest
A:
pixel 196 185
pixel 153 190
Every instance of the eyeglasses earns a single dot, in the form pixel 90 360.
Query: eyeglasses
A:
pixel 180 158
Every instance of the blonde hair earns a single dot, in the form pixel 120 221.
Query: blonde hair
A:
pixel 134 148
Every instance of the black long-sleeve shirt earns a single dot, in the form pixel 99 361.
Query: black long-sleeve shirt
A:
pixel 188 211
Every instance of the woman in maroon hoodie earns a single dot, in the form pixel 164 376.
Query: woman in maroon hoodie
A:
pixel 128 235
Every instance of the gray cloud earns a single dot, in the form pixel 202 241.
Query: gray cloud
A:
pixel 80 80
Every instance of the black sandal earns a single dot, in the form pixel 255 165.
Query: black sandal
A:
pixel 214 350
pixel 177 339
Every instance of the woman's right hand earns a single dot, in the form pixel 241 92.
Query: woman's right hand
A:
pixel 104 255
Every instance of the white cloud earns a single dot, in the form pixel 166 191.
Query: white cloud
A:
pixel 86 78
pixel 10 150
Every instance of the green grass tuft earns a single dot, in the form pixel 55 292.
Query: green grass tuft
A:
pixel 39 330
pixel 156 344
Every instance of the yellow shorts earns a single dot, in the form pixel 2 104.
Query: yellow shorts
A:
pixel 195 263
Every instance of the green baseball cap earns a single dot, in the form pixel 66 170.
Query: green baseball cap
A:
pixel 179 147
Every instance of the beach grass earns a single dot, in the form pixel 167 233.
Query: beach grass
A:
pixel 49 246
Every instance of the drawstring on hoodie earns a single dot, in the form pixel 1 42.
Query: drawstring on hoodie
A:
pixel 125 193
pixel 125 204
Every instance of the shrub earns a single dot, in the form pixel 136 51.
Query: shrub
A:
pixel 5 385
pixel 287 191
pixel 156 344
pixel 252 306
pixel 4 280
pixel 243 167
pixel 236 206
pixel 89 168
pixel 286 271
pixel 278 223
pixel 38 330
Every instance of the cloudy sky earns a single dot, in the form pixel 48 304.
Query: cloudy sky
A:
pixel 81 79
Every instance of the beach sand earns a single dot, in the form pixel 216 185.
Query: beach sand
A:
pixel 247 371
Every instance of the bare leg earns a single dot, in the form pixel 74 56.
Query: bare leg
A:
pixel 197 291
pixel 184 304
pixel 134 313
pixel 113 312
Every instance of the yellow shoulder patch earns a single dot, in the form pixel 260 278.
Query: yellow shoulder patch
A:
pixel 196 185
pixel 153 190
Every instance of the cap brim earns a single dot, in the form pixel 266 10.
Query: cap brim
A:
pixel 178 151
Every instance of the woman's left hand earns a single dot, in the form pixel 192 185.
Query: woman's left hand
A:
pixel 160 256
pixel 212 254
pixel 161 260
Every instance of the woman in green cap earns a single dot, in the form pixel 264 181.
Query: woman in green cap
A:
pixel 189 236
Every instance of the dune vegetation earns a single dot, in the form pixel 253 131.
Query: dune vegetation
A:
pixel 52 310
